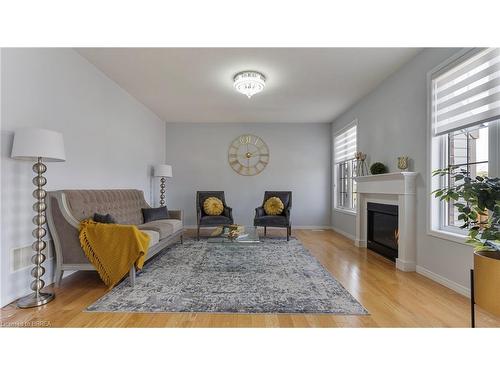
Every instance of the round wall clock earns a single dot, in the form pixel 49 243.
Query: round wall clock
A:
pixel 248 155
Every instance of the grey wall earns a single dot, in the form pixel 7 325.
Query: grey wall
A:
pixel 111 140
pixel 392 121
pixel 299 161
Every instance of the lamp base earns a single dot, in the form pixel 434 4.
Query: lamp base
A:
pixel 34 300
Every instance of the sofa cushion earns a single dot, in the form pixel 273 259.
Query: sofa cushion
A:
pixel 152 214
pixel 154 237
pixel 164 227
pixel 105 219
pixel 176 224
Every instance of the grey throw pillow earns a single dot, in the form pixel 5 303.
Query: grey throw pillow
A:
pixel 152 214
pixel 105 219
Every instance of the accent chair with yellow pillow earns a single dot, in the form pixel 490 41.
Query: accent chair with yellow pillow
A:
pixel 275 211
pixel 209 212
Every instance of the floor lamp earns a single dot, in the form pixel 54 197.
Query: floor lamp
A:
pixel 163 171
pixel 38 145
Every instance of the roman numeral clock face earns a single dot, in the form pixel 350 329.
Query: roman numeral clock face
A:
pixel 248 155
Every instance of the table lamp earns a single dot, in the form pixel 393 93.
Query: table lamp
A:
pixel 163 171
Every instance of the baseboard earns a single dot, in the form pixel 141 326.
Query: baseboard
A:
pixel 444 281
pixel 405 266
pixel 344 233
pixel 311 227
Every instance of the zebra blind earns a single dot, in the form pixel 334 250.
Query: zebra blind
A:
pixel 467 93
pixel 345 144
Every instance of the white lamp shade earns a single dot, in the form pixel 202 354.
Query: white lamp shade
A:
pixel 32 143
pixel 162 170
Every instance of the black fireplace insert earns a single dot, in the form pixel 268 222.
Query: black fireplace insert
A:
pixel 383 233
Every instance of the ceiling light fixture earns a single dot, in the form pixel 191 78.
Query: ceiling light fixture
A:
pixel 249 82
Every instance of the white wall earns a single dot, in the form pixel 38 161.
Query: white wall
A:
pixel 392 122
pixel 299 161
pixel 111 140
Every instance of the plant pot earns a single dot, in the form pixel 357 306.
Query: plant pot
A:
pixel 487 280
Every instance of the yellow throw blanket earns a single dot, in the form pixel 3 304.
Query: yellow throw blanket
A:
pixel 113 248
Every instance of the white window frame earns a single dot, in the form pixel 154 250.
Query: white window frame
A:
pixel 344 210
pixel 437 156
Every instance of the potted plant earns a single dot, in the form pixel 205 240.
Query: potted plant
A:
pixel 478 202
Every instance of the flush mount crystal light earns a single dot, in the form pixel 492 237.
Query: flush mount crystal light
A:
pixel 249 82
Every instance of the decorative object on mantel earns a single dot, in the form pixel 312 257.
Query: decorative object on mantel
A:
pixel 478 202
pixel 361 167
pixel 163 171
pixel 403 163
pixel 39 145
pixel 378 168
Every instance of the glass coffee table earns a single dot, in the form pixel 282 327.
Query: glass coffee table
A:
pixel 248 236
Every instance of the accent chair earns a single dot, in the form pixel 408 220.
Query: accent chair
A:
pixel 204 220
pixel 280 221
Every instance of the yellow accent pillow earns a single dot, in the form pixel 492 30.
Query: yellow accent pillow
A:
pixel 213 206
pixel 274 206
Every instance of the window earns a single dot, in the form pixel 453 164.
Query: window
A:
pixel 344 145
pixel 465 125
pixel 467 150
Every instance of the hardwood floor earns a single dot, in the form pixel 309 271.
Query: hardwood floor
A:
pixel 393 298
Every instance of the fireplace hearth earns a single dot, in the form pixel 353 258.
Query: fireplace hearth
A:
pixel 383 231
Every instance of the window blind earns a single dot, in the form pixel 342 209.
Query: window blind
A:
pixel 468 93
pixel 345 145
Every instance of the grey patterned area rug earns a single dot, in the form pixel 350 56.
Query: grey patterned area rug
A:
pixel 274 276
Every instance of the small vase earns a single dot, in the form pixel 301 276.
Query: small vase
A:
pixel 361 167
pixel 403 163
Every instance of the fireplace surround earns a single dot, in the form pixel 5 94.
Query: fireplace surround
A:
pixel 398 189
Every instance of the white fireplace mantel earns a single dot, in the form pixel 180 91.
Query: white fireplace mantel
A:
pixel 399 189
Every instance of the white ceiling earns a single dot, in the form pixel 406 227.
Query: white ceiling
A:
pixel 195 84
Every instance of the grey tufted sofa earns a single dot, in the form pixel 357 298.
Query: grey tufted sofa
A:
pixel 67 208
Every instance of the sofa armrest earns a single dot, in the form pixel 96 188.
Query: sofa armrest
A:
pixel 64 230
pixel 176 214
